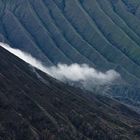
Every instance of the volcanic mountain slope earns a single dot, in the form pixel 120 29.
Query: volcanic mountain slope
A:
pixel 102 33
pixel 34 106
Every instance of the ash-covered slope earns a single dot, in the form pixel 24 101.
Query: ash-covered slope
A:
pixel 34 106
pixel 102 33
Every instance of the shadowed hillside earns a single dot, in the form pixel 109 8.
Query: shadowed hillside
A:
pixel 34 106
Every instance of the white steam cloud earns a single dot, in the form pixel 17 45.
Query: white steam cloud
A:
pixel 76 74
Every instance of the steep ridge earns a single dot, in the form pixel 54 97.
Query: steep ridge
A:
pixel 102 33
pixel 32 108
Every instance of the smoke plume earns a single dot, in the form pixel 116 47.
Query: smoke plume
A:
pixel 76 74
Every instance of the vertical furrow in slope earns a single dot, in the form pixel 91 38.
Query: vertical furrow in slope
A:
pixel 112 33
pixel 3 34
pixel 21 36
pixel 41 35
pixel 137 14
pixel 35 42
pixel 62 44
pixel 17 35
pixel 123 61
pixel 80 29
pixel 72 36
pixel 131 6
pixel 106 7
pixel 34 10
pixel 132 21
pixel 133 53
pixel 56 27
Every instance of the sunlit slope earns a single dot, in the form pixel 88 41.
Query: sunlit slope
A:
pixel 102 33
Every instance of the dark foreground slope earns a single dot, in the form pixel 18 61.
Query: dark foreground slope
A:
pixel 34 106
